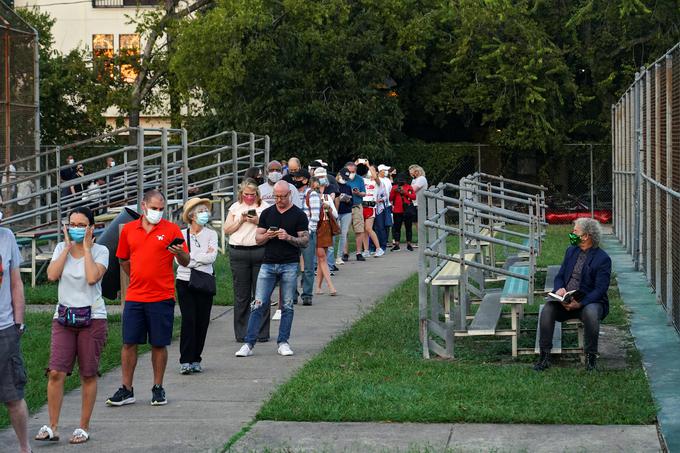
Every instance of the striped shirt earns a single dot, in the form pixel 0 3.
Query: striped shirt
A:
pixel 312 207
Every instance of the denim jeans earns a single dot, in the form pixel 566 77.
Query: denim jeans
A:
pixel 266 280
pixel 589 315
pixel 341 239
pixel 379 228
pixel 309 255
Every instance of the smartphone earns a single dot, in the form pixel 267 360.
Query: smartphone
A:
pixel 251 213
pixel 355 189
pixel 176 241
pixel 273 228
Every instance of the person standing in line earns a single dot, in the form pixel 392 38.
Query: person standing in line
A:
pixel 284 167
pixel 386 184
pixel 274 175
pixel 402 196
pixel 79 326
pixel 12 306
pixel 343 204
pixel 329 189
pixel 324 235
pixel 358 188
pixel 312 207
pixel 146 250
pixel 418 183
pixel 294 166
pixel 245 257
pixel 68 174
pixel 369 203
pixel 283 230
pixel 194 304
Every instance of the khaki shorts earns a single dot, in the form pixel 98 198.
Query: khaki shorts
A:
pixel 358 219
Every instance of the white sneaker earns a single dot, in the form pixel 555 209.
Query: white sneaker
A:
pixel 284 349
pixel 339 262
pixel 245 351
pixel 277 315
pixel 366 253
pixel 379 253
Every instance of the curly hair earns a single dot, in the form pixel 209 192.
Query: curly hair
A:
pixel 591 227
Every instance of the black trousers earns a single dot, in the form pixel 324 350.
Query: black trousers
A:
pixel 589 315
pixel 396 228
pixel 245 266
pixel 195 308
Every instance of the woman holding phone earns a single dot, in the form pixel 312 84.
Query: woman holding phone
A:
pixel 245 256
pixel 194 303
pixel 79 326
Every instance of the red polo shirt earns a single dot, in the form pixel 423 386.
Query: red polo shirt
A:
pixel 152 277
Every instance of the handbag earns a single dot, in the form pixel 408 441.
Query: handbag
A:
pixel 200 281
pixel 74 316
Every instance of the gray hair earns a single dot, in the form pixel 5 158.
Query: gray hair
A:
pixel 591 227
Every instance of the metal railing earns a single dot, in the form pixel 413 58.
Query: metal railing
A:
pixel 646 176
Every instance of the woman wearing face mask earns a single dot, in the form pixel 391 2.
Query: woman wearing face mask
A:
pixel 343 203
pixel 245 256
pixel 254 173
pixel 324 236
pixel 195 305
pixel 79 327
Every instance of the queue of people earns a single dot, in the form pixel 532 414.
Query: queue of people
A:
pixel 285 219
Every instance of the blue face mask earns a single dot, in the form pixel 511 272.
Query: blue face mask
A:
pixel 323 181
pixel 77 234
pixel 202 218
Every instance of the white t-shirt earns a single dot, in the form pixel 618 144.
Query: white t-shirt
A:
pixel 371 189
pixel 74 291
pixel 418 183
pixel 387 184
pixel 267 194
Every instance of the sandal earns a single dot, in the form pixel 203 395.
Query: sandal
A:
pixel 80 436
pixel 46 434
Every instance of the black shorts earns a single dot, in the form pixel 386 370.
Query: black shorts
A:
pixel 152 320
pixel 12 370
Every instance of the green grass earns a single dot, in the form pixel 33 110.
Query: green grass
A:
pixel 35 345
pixel 375 372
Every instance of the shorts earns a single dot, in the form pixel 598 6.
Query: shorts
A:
pixel 369 212
pixel 85 343
pixel 357 219
pixel 152 320
pixel 12 370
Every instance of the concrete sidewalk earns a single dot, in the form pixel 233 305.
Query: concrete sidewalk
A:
pixel 206 410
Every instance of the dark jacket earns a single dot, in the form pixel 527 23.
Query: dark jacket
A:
pixel 594 277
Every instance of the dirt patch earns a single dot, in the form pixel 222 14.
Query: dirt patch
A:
pixel 613 347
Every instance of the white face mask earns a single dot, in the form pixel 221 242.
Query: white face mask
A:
pixel 112 164
pixel 275 176
pixel 351 176
pixel 0 215
pixel 153 216
pixel 71 161
pixel 340 180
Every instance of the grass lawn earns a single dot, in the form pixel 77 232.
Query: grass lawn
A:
pixel 375 372
pixel 35 346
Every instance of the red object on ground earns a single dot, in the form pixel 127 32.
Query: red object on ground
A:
pixel 555 217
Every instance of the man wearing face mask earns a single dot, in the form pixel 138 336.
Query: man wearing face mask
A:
pixel 146 249
pixel 293 167
pixel 585 273
pixel 358 188
pixel 311 205
pixel 274 175
pixel 68 174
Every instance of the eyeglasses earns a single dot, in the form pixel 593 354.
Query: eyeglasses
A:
pixel 281 197
pixel 78 225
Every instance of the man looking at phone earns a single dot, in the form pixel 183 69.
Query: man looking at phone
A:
pixel 283 230
pixel 358 188
pixel 586 270
pixel 146 250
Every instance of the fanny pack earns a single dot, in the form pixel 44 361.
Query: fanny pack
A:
pixel 368 204
pixel 74 316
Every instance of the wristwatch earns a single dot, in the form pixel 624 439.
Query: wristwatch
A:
pixel 21 327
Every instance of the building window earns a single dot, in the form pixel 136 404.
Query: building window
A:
pixel 123 3
pixel 102 55
pixel 128 46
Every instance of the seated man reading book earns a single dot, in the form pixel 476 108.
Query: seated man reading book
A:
pixel 580 291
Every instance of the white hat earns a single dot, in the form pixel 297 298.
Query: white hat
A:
pixel 320 171
pixel 383 167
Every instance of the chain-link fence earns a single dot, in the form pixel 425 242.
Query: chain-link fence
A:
pixel 646 169
pixel 19 120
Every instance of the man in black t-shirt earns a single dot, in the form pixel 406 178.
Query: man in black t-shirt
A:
pixel 282 230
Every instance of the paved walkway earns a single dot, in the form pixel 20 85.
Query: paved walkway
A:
pixel 206 410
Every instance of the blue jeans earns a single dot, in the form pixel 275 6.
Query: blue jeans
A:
pixel 345 221
pixel 309 255
pixel 379 228
pixel 330 254
pixel 266 281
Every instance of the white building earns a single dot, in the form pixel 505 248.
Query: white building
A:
pixel 102 27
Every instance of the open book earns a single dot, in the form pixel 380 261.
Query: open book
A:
pixel 568 297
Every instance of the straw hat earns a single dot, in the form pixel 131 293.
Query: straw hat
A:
pixel 191 204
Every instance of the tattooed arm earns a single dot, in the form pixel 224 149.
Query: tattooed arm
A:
pixel 301 241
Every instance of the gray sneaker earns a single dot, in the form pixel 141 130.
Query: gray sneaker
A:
pixel 185 368
pixel 196 367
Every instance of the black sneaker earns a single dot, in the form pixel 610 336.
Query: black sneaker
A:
pixel 360 257
pixel 591 362
pixel 543 362
pixel 306 301
pixel 122 397
pixel 158 396
pixel 345 257
pixel 409 248
pixel 395 248
pixel 334 268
